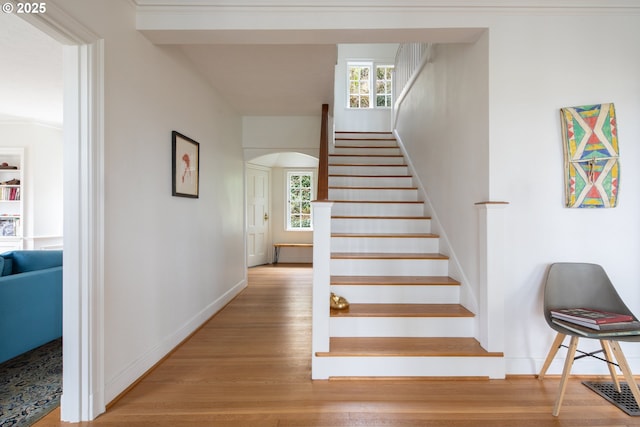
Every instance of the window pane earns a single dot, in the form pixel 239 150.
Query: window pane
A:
pixel 364 87
pixel 364 102
pixel 364 73
pixel 299 202
pixel 380 101
pixel 353 102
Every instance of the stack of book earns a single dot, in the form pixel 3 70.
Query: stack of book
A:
pixel 587 321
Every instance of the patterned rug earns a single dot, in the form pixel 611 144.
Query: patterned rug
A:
pixel 31 385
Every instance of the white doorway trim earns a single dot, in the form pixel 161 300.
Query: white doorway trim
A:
pixel 83 255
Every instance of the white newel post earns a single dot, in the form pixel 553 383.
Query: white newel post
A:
pixel 321 279
pixel 491 251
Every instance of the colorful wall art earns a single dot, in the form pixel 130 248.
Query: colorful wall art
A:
pixel 592 168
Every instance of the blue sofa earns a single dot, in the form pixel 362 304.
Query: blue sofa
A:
pixel 30 300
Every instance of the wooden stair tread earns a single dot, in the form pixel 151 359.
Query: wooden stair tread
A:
pixel 366 155
pixel 372 188
pixel 378 201
pixel 394 280
pixel 403 310
pixel 380 255
pixel 419 218
pixel 393 165
pixel 387 235
pixel 370 176
pixel 407 347
pixel 365 146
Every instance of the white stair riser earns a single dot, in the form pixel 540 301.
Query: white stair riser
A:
pixel 368 170
pixel 386 267
pixel 326 367
pixel 377 209
pixel 370 181
pixel 414 327
pixel 375 194
pixel 365 160
pixel 385 244
pixel 389 151
pixel 352 141
pixel 398 294
pixel 380 225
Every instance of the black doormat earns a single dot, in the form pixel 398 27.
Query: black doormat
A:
pixel 623 400
pixel 31 385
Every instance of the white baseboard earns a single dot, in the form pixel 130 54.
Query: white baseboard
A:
pixel 140 366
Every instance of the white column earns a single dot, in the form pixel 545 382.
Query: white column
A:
pixel 491 251
pixel 321 281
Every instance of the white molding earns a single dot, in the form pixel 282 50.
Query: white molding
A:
pixel 83 277
pixel 423 4
pixel 140 366
pixel 59 25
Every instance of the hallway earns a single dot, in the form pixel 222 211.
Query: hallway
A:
pixel 250 365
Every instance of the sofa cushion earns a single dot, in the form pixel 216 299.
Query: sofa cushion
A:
pixel 6 265
pixel 26 260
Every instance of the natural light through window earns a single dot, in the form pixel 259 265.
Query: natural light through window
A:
pixel 300 193
pixel 361 94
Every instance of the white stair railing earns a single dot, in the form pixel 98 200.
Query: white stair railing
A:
pixel 410 58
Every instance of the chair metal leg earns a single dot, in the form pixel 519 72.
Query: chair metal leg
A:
pixel 610 364
pixel 568 362
pixel 626 371
pixel 557 342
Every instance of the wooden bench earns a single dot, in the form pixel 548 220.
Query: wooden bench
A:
pixel 277 246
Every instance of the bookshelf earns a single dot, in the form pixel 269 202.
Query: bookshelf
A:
pixel 11 197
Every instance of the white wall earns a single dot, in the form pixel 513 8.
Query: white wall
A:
pixel 278 223
pixel 42 194
pixel 443 125
pixel 263 135
pixel 358 120
pixel 271 135
pixel 170 262
pixel 531 75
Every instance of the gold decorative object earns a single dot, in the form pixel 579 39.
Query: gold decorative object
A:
pixel 338 302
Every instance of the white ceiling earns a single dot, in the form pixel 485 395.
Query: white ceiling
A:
pixel 30 73
pixel 258 72
pixel 275 80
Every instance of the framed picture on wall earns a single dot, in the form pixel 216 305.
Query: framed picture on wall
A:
pixel 186 165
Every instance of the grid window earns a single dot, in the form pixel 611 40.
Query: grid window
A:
pixel 299 191
pixel 384 78
pixel 359 86
pixel 364 91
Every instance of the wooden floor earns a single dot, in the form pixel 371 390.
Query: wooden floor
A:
pixel 250 366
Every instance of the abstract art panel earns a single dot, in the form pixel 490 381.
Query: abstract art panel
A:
pixel 592 168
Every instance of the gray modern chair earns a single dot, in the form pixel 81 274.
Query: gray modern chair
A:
pixel 581 285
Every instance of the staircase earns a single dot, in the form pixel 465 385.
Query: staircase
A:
pixel 405 319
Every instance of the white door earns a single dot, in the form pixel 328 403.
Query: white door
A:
pixel 257 215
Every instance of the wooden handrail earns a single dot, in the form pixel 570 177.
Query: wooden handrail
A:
pixel 323 164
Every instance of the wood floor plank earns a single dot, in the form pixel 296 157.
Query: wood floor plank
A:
pixel 250 365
